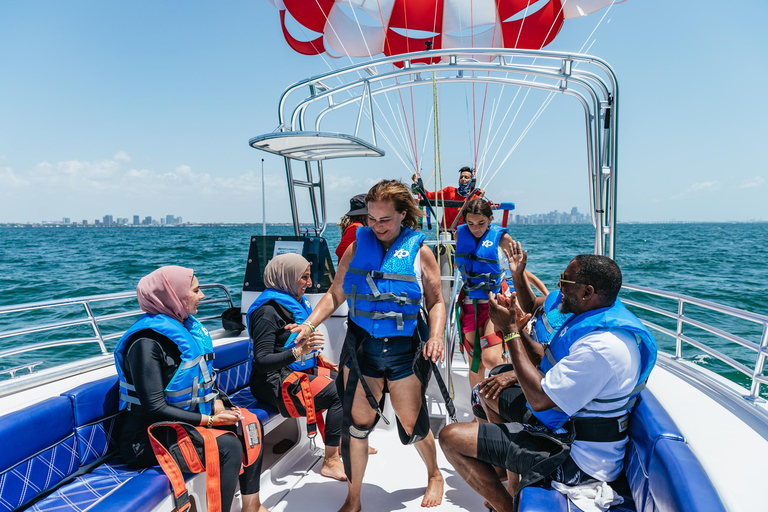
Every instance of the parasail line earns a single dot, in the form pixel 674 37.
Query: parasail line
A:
pixel 370 55
pixel 547 101
pixel 392 146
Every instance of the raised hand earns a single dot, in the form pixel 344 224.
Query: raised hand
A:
pixel 516 257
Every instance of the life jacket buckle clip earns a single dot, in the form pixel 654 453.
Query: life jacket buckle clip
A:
pixel 376 274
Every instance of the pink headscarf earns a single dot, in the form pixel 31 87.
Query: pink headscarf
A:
pixel 165 292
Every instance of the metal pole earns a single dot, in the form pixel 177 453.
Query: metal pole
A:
pixel 263 202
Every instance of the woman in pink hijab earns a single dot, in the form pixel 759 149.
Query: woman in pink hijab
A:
pixel 160 361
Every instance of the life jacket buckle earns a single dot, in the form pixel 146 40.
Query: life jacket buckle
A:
pixel 376 274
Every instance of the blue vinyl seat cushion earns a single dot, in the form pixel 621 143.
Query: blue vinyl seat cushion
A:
pixel 41 451
pixel 95 406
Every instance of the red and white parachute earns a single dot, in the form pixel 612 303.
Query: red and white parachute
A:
pixel 365 28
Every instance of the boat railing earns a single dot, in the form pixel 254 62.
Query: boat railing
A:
pixel 682 336
pixel 99 334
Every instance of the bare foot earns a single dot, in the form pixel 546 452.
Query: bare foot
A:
pixel 372 450
pixel 351 505
pixel 333 468
pixel 434 495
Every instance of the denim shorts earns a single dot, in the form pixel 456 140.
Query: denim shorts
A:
pixel 388 358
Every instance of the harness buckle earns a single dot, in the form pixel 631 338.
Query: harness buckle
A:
pixel 182 501
pixel 381 415
pixel 376 274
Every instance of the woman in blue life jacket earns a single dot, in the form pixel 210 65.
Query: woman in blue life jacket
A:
pixel 153 379
pixel 383 276
pixel 480 256
pixel 275 355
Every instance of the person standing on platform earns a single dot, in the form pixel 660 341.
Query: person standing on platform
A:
pixel 465 192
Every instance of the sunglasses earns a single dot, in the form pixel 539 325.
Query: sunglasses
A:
pixel 566 281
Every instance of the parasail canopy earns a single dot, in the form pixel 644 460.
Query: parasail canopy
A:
pixel 365 28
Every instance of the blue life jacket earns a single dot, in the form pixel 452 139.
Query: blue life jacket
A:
pixel 191 387
pixel 300 311
pixel 478 261
pixel 604 319
pixel 382 290
pixel 549 318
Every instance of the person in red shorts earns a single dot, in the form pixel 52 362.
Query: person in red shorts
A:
pixel 463 193
pixel 356 217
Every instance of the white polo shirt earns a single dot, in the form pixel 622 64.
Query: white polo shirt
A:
pixel 600 365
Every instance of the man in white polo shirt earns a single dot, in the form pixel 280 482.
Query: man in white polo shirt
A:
pixel 569 425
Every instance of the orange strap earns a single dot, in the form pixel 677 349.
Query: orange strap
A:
pixel 249 433
pixel 189 453
pixel 308 390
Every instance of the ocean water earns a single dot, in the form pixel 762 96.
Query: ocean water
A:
pixel 723 263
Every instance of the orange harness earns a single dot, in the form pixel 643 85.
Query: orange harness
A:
pixel 298 397
pixel 178 454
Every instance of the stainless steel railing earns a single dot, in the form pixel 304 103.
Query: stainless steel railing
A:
pixel 756 373
pixel 91 319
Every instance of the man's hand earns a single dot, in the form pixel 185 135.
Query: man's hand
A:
pixel 505 313
pixel 495 384
pixel 516 257
pixel 434 349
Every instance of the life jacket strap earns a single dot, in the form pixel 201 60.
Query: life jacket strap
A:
pixel 390 315
pixel 400 300
pixel 601 430
pixel 469 256
pixel 376 274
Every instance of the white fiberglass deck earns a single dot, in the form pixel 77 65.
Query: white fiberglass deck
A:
pixel 395 479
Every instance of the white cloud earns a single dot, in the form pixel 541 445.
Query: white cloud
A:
pixel 753 182
pixel 121 156
pixel 703 186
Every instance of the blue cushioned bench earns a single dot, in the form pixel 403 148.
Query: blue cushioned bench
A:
pixel 662 472
pixel 60 453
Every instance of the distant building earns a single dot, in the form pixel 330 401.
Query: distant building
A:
pixel 109 220
pixel 66 220
pixel 147 221
pixel 136 220
pixel 170 220
pixel 554 217
pixel 85 222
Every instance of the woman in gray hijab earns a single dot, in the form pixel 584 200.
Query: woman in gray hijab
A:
pixel 276 356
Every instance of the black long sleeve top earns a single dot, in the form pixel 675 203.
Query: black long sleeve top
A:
pixel 267 330
pixel 151 360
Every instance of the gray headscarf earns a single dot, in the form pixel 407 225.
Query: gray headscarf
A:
pixel 283 273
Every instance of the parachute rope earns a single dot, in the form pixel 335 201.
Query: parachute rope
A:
pixel 545 103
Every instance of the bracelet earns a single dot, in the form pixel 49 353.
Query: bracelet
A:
pixel 210 422
pixel 309 324
pixel 511 336
pixel 296 353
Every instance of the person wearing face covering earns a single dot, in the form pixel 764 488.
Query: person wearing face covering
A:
pixel 150 359
pixel 275 356
pixel 463 193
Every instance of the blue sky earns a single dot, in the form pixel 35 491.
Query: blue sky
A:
pixel 146 107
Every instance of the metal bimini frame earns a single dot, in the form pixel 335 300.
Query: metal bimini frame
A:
pixel 588 79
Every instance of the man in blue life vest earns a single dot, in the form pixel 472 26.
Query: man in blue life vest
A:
pixel 571 424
